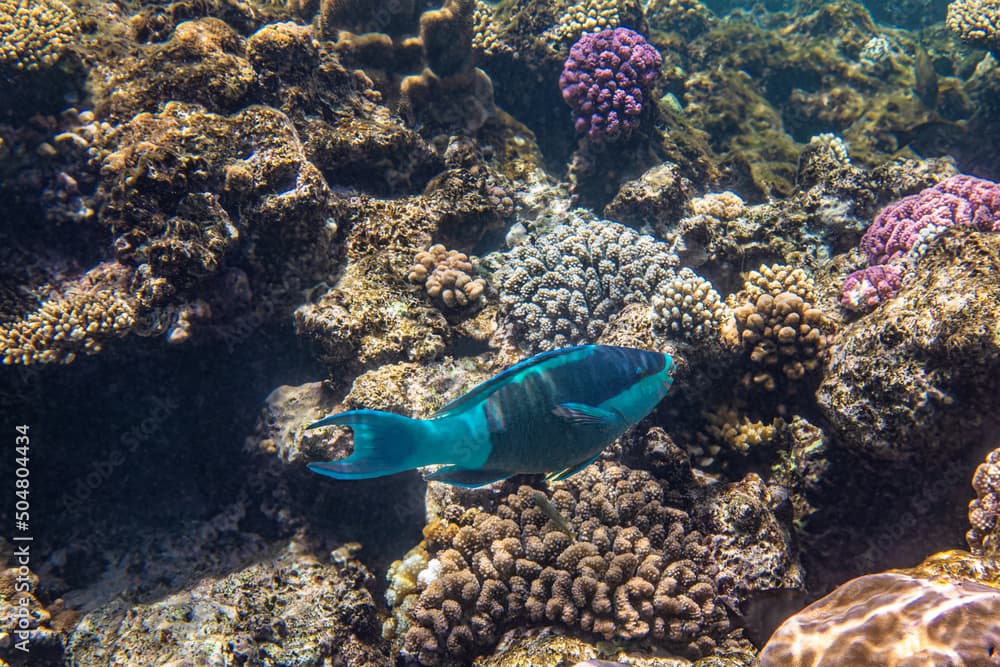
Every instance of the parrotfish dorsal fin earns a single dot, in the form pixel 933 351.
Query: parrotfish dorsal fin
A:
pixel 495 382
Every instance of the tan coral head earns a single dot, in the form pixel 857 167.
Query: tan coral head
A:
pixel 892 618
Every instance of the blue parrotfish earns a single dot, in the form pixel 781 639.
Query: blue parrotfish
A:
pixel 553 413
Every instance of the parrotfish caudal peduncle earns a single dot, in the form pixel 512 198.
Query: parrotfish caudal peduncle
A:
pixel 553 413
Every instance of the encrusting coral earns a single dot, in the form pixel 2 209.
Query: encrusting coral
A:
pixel 777 323
pixel 563 288
pixel 445 275
pixel 633 568
pixel 35 33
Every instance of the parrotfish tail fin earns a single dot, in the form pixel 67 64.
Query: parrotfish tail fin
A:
pixel 384 443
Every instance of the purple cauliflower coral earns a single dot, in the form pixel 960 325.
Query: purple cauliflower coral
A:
pixel 604 81
pixel 959 200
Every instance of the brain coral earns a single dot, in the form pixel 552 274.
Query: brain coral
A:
pixel 892 618
pixel 629 567
pixel 34 33
pixel 605 79
pixel 563 288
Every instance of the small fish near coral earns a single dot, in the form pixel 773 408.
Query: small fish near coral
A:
pixel 553 413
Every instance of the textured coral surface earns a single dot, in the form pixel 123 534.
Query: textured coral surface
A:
pixel 885 619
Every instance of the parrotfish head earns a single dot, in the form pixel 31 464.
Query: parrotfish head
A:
pixel 653 373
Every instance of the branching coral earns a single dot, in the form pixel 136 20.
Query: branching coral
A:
pixel 775 321
pixel 35 33
pixel 78 319
pixel 633 568
pixel 976 22
pixel 445 275
pixel 563 288
pixel 687 307
pixel 587 16
pixel 605 80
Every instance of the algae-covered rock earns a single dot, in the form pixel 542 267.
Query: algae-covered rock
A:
pixel 920 375
pixel 296 609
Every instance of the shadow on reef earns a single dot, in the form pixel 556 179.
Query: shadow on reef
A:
pixel 138 461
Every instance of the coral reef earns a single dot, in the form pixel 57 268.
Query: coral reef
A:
pixel 78 317
pixel 687 307
pixel 549 648
pixel 563 288
pixel 29 628
pixel 908 225
pixel 984 511
pixel 656 199
pixel 774 319
pixel 449 94
pixel 372 314
pixel 605 80
pixel 976 22
pixel 883 619
pixel 914 379
pixel 634 566
pixel 35 33
pixel 445 275
pixel 292 609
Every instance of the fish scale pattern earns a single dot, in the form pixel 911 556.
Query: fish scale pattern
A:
pixel 564 288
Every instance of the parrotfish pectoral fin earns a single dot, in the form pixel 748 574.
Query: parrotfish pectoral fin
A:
pixel 468 477
pixel 569 472
pixel 384 443
pixel 580 414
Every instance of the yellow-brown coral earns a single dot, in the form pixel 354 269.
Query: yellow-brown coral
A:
pixel 976 21
pixel 775 321
pixel 687 306
pixel 445 274
pixel 587 16
pixel 77 318
pixel 34 33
